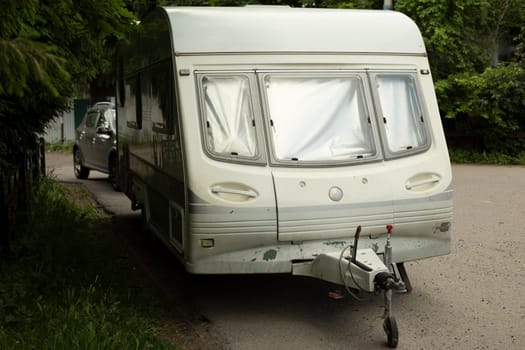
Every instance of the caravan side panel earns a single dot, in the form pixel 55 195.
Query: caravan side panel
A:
pixel 149 137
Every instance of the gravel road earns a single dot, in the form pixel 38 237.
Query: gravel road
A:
pixel 473 298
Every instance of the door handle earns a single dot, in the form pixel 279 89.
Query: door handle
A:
pixel 429 180
pixel 247 193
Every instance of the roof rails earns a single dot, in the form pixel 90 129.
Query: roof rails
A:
pixel 104 103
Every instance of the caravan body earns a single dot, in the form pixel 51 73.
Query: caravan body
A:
pixel 255 139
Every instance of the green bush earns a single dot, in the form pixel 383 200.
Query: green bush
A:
pixel 469 156
pixel 490 105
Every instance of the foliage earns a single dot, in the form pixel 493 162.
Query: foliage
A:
pixel 479 81
pixel 469 156
pixel 68 287
pixel 49 48
pixel 454 33
pixel 25 60
pixel 66 147
pixel 495 95
pixel 141 8
pixel 519 54
pixel 465 35
pixel 349 4
pixel 489 104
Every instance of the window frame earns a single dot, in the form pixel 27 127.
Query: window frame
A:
pixel 361 75
pixel 260 157
pixel 413 75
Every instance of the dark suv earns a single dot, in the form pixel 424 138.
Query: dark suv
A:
pixel 96 144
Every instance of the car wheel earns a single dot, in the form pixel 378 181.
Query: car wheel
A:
pixel 81 172
pixel 113 173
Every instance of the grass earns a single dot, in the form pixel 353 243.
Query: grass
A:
pixel 67 286
pixel 66 147
pixel 465 156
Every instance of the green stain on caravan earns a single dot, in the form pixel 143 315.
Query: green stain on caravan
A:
pixel 335 244
pixel 270 255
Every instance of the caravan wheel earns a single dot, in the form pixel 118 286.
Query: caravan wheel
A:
pixel 392 333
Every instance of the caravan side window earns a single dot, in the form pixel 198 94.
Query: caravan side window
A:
pixel 229 123
pixel 403 118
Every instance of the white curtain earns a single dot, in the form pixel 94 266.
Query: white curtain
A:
pixel 399 104
pixel 318 119
pixel 229 115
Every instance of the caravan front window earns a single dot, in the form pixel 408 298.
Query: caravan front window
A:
pixel 403 119
pixel 229 116
pixel 319 118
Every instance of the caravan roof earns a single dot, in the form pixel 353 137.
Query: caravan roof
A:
pixel 281 29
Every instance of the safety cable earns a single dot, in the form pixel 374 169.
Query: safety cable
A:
pixel 341 272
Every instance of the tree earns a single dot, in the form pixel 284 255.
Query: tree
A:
pixel 47 49
pixel 479 79
pixel 142 7
pixel 455 32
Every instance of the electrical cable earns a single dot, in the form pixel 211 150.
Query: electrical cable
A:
pixel 342 275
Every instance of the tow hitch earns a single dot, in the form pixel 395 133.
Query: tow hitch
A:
pixel 360 269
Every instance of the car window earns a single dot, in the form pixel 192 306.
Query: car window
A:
pixel 91 119
pixel 103 122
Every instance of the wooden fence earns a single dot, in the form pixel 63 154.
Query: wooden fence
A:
pixel 16 189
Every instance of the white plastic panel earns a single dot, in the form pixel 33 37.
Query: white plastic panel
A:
pixel 258 29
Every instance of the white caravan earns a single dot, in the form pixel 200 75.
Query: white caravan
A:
pixel 257 139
